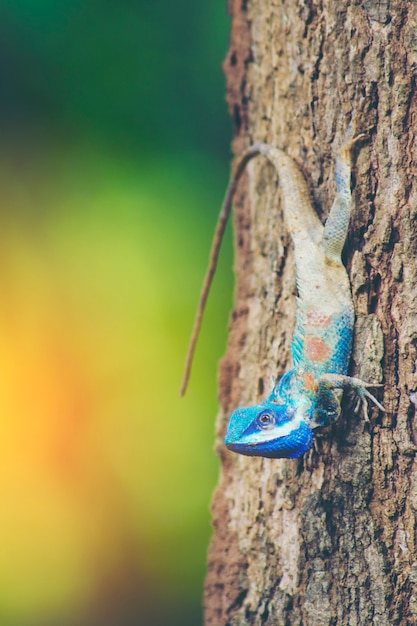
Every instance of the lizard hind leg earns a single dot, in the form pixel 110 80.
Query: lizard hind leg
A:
pixel 336 227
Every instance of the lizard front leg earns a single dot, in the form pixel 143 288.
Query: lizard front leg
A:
pixel 328 383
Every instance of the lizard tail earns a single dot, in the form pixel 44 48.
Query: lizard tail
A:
pixel 238 170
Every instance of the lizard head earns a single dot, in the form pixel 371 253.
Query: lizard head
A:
pixel 269 429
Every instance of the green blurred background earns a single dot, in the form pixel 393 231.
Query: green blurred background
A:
pixel 113 162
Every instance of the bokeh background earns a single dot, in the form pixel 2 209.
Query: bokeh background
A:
pixel 114 151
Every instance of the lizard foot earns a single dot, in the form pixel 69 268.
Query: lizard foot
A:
pixel 351 139
pixel 338 381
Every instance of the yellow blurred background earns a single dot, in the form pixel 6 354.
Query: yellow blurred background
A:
pixel 113 164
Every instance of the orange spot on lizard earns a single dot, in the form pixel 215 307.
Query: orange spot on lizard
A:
pixel 316 348
pixel 309 381
pixel 318 320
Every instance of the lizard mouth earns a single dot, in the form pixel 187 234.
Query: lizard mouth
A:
pixel 281 449
pixel 294 443
pixel 242 448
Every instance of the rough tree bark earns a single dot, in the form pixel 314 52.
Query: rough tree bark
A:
pixel 331 538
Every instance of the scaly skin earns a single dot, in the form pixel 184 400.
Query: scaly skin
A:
pixel 309 394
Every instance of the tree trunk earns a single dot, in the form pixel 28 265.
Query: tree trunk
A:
pixel 330 538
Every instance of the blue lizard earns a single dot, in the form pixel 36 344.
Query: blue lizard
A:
pixel 309 395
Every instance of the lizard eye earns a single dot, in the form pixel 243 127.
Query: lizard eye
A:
pixel 266 420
